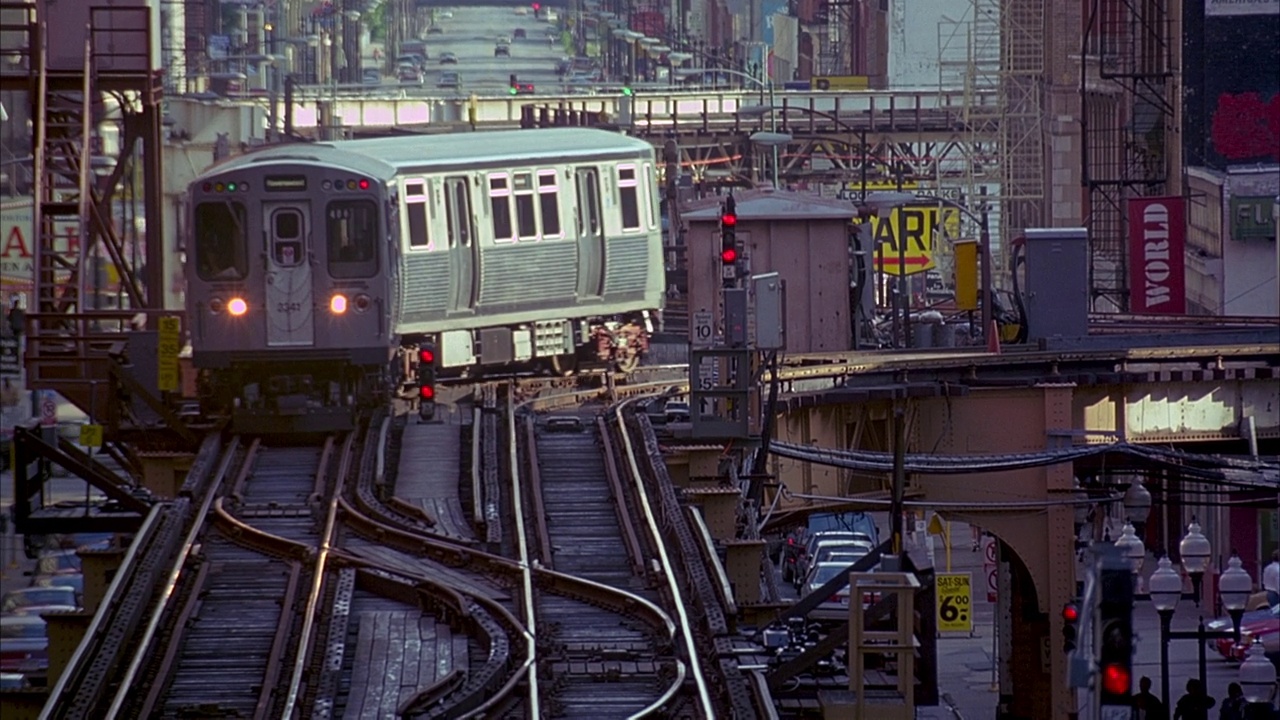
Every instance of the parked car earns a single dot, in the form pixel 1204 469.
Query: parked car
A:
pixel 435 30
pixel 518 34
pixel 35 600
pixel 75 582
pixel 417 60
pixel 448 58
pixel 502 50
pixel 24 644
pixel 58 562
pixel 370 76
pixel 449 80
pixel 1262 625
pixel 848 539
pixel 12 681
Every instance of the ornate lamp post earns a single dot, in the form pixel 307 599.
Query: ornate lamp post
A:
pixel 1234 587
pixel 1166 590
pixel 1257 675
pixel 1137 503
pixel 1194 549
pixel 1134 551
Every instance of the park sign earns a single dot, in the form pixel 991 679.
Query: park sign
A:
pixel 904 240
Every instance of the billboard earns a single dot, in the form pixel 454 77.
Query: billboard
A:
pixel 18 251
pixel 1157 240
pixel 908 233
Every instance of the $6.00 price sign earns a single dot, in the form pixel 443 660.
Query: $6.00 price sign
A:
pixel 955 599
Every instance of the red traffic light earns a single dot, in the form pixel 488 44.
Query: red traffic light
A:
pixel 426 392
pixel 1115 679
pixel 728 219
pixel 426 356
pixel 1070 612
pixel 728 256
pixel 537 6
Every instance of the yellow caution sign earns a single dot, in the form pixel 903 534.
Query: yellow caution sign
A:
pixel 955 602
pixel 904 240
pixel 839 82
pixel 167 379
pixel 91 435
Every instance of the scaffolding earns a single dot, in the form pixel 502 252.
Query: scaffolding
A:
pixel 1127 117
pixel 994 52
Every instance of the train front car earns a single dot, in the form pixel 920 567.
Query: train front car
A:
pixel 288 289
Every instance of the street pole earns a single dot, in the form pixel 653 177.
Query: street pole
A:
pixel 985 242
pixel 899 476
pixel 1166 617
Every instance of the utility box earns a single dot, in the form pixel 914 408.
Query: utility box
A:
pixel 803 241
pixel 1057 294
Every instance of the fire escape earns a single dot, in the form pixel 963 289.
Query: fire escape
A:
pixel 98 296
pixel 1127 113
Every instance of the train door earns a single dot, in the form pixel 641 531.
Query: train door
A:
pixel 591 239
pixel 288 278
pixel 464 261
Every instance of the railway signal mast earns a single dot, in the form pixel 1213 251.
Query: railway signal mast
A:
pixel 426 382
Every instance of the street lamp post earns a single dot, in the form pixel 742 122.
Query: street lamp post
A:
pixel 1257 675
pixel 1194 549
pixel 1137 503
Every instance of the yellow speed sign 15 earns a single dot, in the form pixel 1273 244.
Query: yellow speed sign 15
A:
pixel 955 602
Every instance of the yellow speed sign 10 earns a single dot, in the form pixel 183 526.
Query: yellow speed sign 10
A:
pixel 955 602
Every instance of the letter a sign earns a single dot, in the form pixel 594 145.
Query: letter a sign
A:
pixel 1157 242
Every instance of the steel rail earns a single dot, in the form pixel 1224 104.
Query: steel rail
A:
pixel 125 571
pixel 171 583
pixel 539 508
pixel 477 482
pixel 677 597
pixel 526 570
pixel 317 580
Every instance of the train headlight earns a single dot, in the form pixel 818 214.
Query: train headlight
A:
pixel 237 306
pixel 338 304
pixel 216 306
pixel 362 302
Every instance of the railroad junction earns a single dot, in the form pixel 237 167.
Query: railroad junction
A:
pixel 479 562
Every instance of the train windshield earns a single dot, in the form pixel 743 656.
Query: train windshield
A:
pixel 352 230
pixel 221 241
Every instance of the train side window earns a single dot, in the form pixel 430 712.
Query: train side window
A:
pixel 415 200
pixel 457 208
pixel 588 202
pixel 526 220
pixel 500 208
pixel 549 203
pixel 352 232
pixel 221 241
pixel 628 195
pixel 650 186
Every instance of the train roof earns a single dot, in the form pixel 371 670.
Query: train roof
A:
pixel 386 157
pixel 497 148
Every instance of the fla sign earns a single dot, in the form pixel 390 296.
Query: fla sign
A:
pixel 908 233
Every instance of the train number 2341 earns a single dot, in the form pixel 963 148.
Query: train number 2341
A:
pixel 288 307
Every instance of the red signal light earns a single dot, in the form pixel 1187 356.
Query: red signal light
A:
pixel 426 356
pixel 1115 679
pixel 537 6
pixel 364 184
pixel 1070 612
pixel 728 256
pixel 728 220
pixel 426 392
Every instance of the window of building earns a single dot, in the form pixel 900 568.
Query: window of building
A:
pixel 549 203
pixel 221 241
pixel 352 232
pixel 500 209
pixel 628 195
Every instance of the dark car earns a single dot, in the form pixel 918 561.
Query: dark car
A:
pixel 448 58
pixel 502 50
pixel 435 30
pixel 518 33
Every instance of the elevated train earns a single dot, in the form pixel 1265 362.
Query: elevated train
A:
pixel 315 272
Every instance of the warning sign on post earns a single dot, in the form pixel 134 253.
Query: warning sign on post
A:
pixel 955 602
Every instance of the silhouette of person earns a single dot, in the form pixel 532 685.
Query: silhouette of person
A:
pixel 1195 704
pixel 1147 706
pixel 1233 706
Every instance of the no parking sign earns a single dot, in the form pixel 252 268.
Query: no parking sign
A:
pixel 989 565
pixel 48 410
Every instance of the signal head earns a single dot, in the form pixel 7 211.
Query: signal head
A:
pixel 427 355
pixel 728 219
pixel 1070 612
pixel 427 392
pixel 1116 679
pixel 728 256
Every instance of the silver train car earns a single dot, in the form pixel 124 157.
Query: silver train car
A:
pixel 315 271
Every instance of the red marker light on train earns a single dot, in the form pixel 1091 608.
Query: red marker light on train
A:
pixel 364 184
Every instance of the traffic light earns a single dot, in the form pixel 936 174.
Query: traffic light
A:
pixel 426 381
pixel 626 86
pixel 1115 642
pixel 728 232
pixel 1070 620
pixel 537 7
